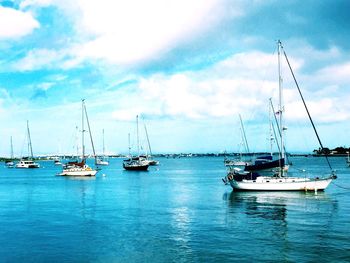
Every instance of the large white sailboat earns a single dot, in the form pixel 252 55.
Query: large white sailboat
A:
pixel 80 169
pixel 28 162
pixel 280 181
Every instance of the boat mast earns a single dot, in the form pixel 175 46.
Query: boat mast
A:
pixel 137 134
pixel 11 148
pixel 149 144
pixel 243 133
pixel 92 142
pixel 29 141
pixel 103 142
pixel 129 145
pixel 280 101
pixel 77 141
pixel 271 136
pixel 82 129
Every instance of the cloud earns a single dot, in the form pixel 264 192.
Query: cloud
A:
pixel 126 32
pixel 15 24
pixel 41 58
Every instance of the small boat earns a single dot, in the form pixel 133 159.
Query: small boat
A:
pixel 27 162
pixel 279 180
pixel 101 160
pixel 9 164
pixel 80 169
pixel 136 163
pixel 57 162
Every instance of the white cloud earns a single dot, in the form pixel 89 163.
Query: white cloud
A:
pixel 130 31
pixel 39 58
pixel 335 73
pixel 242 84
pixel 16 24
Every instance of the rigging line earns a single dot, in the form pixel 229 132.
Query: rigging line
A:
pixel 279 132
pixel 307 110
pixel 88 123
pixel 245 137
pixel 346 188
pixel 274 132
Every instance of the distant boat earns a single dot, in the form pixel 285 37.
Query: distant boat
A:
pixel 240 163
pixel 27 162
pixel 10 163
pixel 57 162
pixel 101 160
pixel 279 180
pixel 80 169
pixel 136 163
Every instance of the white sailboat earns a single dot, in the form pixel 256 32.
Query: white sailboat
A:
pixel 101 160
pixel 80 169
pixel 27 162
pixel 279 181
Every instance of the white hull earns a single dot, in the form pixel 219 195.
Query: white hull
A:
pixel 27 164
pixel 265 183
pixel 78 171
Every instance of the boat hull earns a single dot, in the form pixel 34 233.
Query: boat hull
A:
pixel 76 171
pixel 264 183
pixel 135 167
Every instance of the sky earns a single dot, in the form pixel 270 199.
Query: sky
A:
pixel 187 68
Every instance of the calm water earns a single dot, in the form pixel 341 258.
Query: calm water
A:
pixel 179 211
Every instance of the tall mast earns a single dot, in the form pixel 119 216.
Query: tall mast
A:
pixel 77 140
pixel 280 105
pixel 129 145
pixel 91 140
pixel 103 142
pixel 149 144
pixel 82 129
pixel 11 148
pixel 243 133
pixel 270 124
pixel 137 134
pixel 29 141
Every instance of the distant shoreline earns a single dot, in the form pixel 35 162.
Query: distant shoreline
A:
pixel 182 155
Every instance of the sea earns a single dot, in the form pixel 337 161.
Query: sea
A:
pixel 179 211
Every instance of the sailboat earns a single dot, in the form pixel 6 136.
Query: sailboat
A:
pixel 9 163
pixel 81 168
pixel 240 163
pixel 136 163
pixel 102 160
pixel 27 162
pixel 280 181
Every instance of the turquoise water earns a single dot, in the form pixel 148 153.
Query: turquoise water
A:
pixel 179 211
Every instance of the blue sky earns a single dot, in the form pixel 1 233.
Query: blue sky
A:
pixel 187 67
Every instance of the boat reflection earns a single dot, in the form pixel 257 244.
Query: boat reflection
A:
pixel 276 205
pixel 276 202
